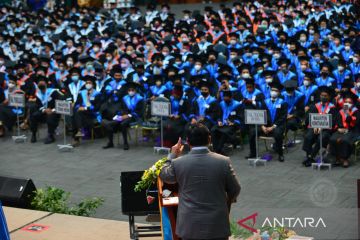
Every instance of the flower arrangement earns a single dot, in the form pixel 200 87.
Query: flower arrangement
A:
pixel 278 233
pixel 150 176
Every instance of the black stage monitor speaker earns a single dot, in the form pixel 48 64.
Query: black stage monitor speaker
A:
pixel 16 192
pixel 135 203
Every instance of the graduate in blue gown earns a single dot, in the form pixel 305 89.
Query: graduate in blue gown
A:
pixel 205 108
pixel 174 125
pixel 42 109
pixel 295 104
pixel 131 111
pixel 229 121
pixel 276 109
pixel 86 109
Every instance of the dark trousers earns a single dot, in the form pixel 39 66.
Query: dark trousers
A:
pixel 36 117
pixel 109 110
pixel 112 127
pixel 222 135
pixel 82 119
pixel 277 134
pixel 341 145
pixel 7 116
pixel 293 124
pixel 312 141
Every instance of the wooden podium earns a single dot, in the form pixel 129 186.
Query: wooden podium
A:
pixel 170 204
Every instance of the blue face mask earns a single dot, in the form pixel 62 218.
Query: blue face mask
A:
pixel 75 78
pixel 255 56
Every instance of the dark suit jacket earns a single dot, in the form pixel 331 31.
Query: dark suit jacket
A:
pixel 207 183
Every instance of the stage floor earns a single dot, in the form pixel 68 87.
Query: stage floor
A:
pixel 21 222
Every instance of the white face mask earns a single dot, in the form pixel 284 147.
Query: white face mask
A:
pixel 355 59
pixel 2 63
pixel 311 31
pixel 123 65
pixel 165 54
pixel 303 67
pixel 185 39
pixel 302 39
pixel 245 75
pixel 358 84
pixel 306 83
pixel 38 44
pixel 108 59
pixel 268 80
pixel 96 49
pixel 131 93
pixel 232 42
pixel 11 85
pixel 69 63
pixel 347 48
pixel 232 56
pixel 340 68
pixel 276 56
pixel 347 105
pixel 197 67
pixel 129 52
pixel 88 86
pixel 274 94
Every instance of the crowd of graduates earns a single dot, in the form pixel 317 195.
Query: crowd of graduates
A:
pixel 290 58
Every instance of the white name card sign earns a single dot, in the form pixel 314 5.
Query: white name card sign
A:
pixel 256 117
pixel 63 107
pixel 322 121
pixel 17 100
pixel 160 107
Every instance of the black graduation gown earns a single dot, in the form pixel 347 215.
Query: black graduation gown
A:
pixel 37 115
pixel 311 140
pixel 174 127
pixel 341 144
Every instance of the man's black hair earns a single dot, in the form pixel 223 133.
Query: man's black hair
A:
pixel 198 135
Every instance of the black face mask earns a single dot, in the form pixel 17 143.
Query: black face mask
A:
pixel 324 74
pixel 227 101
pixel 42 87
pixel 117 79
pixel 323 99
pixel 204 94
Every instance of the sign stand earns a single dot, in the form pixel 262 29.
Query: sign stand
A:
pixel 160 106
pixel 17 100
pixel 256 118
pixel 65 109
pixel 321 121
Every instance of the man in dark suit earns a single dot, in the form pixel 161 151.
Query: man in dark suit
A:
pixel 207 187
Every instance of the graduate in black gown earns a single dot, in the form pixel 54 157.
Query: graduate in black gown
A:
pixel 205 108
pixel 8 113
pixel 131 110
pixel 295 103
pixel 42 109
pixel 311 144
pixel 229 121
pixel 174 125
pixel 86 110
pixel 348 130
pixel 276 109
